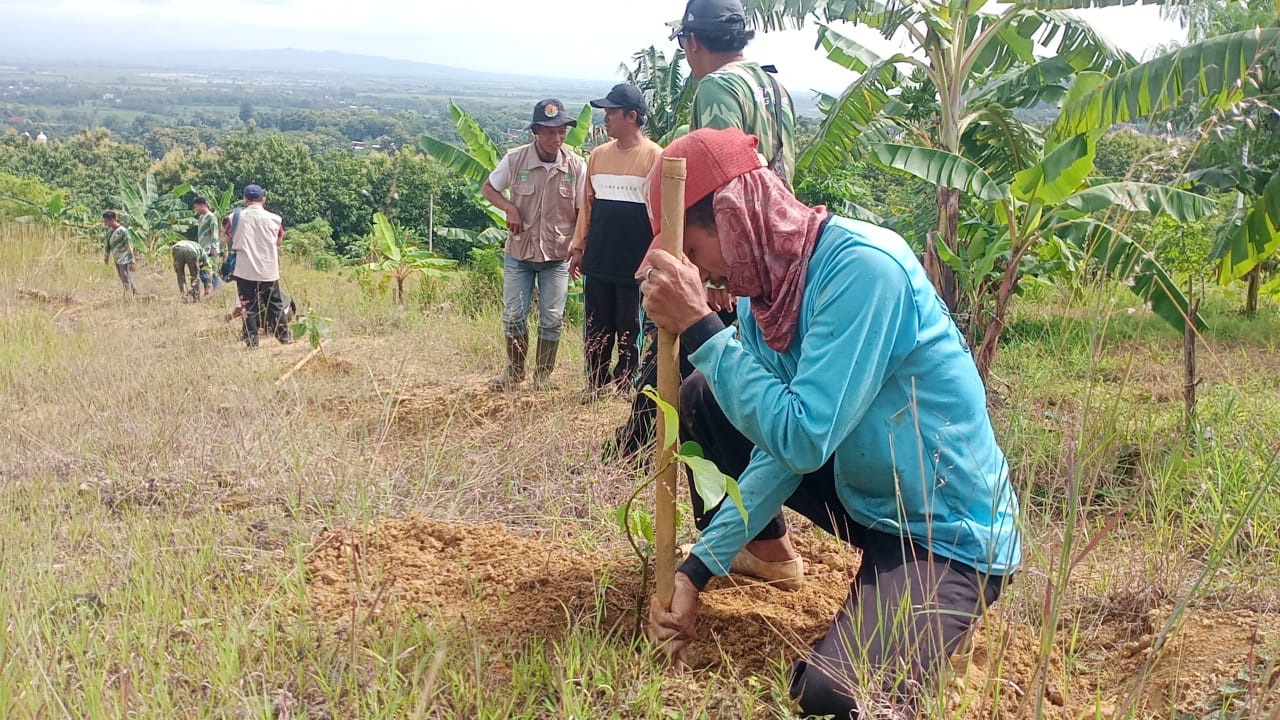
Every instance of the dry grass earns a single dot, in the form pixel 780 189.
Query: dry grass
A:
pixel 162 495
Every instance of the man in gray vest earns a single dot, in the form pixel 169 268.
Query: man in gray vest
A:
pixel 546 181
pixel 256 236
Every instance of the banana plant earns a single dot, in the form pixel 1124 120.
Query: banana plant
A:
pixel 1219 74
pixel 972 62
pixel 394 251
pixel 474 163
pixel 1051 201
pixel 156 219
pixel 220 202
pixel 668 91
pixel 53 211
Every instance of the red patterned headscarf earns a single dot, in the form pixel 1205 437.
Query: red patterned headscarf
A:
pixel 767 237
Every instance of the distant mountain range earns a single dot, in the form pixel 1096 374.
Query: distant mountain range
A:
pixel 287 61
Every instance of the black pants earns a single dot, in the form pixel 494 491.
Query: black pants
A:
pixel 907 609
pixel 639 431
pixel 186 265
pixel 254 295
pixel 612 315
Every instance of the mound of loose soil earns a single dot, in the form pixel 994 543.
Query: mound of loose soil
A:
pixel 503 585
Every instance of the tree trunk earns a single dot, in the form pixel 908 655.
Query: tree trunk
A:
pixel 1251 297
pixel 1190 379
pixel 990 338
pixel 399 290
pixel 943 277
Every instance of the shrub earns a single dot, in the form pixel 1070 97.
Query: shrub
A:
pixel 481 286
pixel 309 239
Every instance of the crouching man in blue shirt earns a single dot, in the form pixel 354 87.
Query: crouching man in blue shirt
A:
pixel 848 395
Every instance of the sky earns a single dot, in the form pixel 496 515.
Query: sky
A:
pixel 549 38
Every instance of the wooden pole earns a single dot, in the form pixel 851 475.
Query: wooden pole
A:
pixel 673 176
pixel 431 225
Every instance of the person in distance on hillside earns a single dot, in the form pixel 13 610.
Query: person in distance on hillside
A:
pixel 188 258
pixel 847 394
pixel 612 236
pixel 119 247
pixel 256 236
pixel 207 235
pixel 546 183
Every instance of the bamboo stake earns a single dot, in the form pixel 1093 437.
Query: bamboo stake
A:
pixel 673 177
pixel 298 367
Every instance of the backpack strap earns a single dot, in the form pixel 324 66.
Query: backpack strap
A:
pixel 777 163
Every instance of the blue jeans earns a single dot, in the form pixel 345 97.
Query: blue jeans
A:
pixel 209 278
pixel 518 277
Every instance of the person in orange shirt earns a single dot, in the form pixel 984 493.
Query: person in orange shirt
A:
pixel 611 238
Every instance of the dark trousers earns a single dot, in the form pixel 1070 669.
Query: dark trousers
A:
pixel 639 431
pixel 907 609
pixel 125 273
pixel 254 295
pixel 186 265
pixel 612 315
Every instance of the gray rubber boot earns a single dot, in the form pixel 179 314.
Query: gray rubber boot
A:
pixel 546 362
pixel 517 349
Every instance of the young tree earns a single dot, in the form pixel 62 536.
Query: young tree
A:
pixel 668 91
pixel 394 251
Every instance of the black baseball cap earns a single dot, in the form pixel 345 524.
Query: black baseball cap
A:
pixel 721 15
pixel 550 113
pixel 253 192
pixel 625 96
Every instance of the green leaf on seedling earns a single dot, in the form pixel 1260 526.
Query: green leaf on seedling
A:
pixel 644 525
pixel 670 419
pixel 691 449
pixel 638 523
pixel 735 494
pixel 710 483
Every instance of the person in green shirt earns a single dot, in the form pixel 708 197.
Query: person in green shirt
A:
pixel 732 91
pixel 188 258
pixel 208 237
pixel 119 248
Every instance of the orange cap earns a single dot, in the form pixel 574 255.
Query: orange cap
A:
pixel 713 157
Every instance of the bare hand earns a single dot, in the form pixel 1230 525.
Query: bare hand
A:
pixel 674 293
pixel 720 300
pixel 575 263
pixel 515 223
pixel 672 630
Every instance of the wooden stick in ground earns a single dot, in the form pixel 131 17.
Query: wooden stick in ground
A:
pixel 673 176
pixel 298 367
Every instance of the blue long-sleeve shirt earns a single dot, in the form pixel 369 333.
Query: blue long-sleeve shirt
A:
pixel 879 376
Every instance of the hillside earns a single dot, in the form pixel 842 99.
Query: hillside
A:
pixel 190 529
